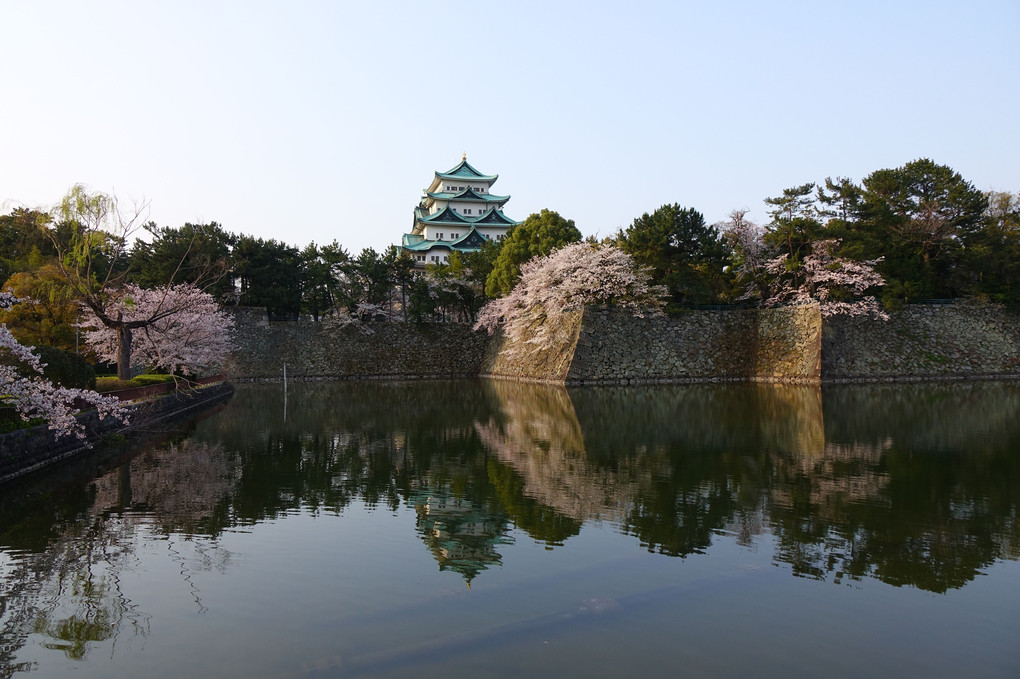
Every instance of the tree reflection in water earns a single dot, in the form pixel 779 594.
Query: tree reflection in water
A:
pixel 905 483
pixel 910 485
pixel 71 545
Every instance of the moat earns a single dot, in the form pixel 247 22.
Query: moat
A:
pixel 497 529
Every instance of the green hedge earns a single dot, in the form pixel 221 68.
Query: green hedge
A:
pixel 63 368
pixel 66 369
pixel 104 384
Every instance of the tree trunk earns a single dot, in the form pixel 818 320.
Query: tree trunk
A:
pixel 123 352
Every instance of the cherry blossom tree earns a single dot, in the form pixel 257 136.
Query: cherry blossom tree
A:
pixel 36 397
pixel 177 328
pixel 361 318
pixel 751 252
pixel 92 254
pixel 835 284
pixel 567 279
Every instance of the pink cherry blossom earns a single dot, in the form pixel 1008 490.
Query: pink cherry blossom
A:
pixel 835 284
pixel 566 280
pixel 36 397
pixel 175 328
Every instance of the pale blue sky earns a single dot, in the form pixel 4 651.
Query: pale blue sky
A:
pixel 309 121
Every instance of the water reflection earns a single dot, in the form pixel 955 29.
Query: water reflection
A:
pixel 909 484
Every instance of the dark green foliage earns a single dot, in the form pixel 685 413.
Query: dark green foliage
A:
pixel 371 277
pixel 401 273
pixel 24 245
pixel 682 253
pixel 795 202
pixel 268 274
pixel 992 254
pixel 421 305
pixel 839 199
pixel 194 253
pixel 481 262
pixel 66 368
pixel 793 236
pixel 794 225
pixel 919 218
pixel 539 234
pixel 317 290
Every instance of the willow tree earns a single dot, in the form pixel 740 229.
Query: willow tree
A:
pixel 92 243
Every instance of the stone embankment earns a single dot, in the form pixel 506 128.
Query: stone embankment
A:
pixel 770 345
pixel 25 450
pixel 923 342
pixel 374 350
pixel 607 346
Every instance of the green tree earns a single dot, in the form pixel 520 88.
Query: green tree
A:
pixel 316 282
pixel 682 253
pixel 481 262
pixel 919 217
pixel 538 235
pixel 93 257
pixel 51 318
pixel 794 224
pixel 23 241
pixel 992 253
pixel 839 199
pixel 402 274
pixel 194 253
pixel 373 277
pixel 796 201
pixel 268 274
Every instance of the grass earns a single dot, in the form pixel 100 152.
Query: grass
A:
pixel 104 384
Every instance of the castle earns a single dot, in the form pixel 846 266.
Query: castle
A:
pixel 456 212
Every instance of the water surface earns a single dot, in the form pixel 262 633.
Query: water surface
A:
pixel 494 529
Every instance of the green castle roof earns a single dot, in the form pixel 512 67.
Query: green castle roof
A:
pixel 493 217
pixel 468 194
pixel 472 240
pixel 445 216
pixel 463 170
pixel 496 216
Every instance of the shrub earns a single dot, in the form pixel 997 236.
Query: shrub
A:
pixel 66 369
pixel 111 383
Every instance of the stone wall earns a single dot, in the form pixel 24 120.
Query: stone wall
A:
pixel 374 350
pixel 924 341
pixel 504 360
pixel 607 346
pixel 770 345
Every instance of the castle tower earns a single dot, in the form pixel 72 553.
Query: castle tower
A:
pixel 456 212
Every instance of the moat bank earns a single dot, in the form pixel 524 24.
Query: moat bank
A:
pixel 606 346
pixel 26 450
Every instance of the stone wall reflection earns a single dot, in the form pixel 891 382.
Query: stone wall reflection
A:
pixel 907 485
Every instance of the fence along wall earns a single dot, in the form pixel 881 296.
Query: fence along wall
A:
pixel 606 346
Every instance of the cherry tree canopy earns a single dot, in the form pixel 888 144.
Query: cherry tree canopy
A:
pixel 35 397
pixel 836 284
pixel 566 280
pixel 178 328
